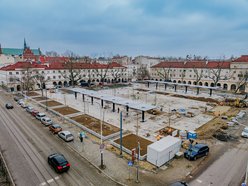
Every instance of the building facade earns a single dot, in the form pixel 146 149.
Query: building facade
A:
pixel 229 75
pixel 52 74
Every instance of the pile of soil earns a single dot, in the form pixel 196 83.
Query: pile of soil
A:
pixel 51 103
pixel 32 94
pixel 131 142
pixel 207 130
pixel 211 100
pixel 95 124
pixel 66 110
pixel 41 98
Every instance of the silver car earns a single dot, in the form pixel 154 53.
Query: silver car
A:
pixel 46 121
pixel 66 135
pixel 29 109
pixel 40 115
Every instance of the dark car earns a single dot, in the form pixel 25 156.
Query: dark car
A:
pixel 196 151
pixel 58 162
pixel 179 183
pixel 9 106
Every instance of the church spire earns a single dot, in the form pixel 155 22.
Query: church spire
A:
pixel 25 44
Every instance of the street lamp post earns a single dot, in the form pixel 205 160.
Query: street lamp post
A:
pixel 46 99
pixel 138 149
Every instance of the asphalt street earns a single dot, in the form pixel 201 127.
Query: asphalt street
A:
pixel 26 144
pixel 228 169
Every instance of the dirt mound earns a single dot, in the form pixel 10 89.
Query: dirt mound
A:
pixel 211 100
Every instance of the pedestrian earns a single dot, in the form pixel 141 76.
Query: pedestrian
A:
pixel 118 110
pixel 81 137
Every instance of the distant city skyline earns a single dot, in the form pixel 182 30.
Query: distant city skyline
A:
pixel 161 28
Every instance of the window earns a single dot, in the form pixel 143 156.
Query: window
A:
pixel 48 77
pixel 17 72
pixel 54 77
pixel 59 77
pixel 10 73
pixel 53 72
pixel 42 72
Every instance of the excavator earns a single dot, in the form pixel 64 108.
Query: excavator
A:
pixel 240 103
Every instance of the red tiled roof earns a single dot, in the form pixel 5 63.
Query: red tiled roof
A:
pixel 193 64
pixel 243 58
pixel 60 65
pixel 20 65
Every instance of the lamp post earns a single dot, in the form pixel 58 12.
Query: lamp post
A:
pixel 46 98
pixel 102 166
pixel 138 149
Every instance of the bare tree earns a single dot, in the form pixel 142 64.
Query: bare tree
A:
pixel 74 73
pixel 143 73
pixel 116 74
pixel 164 73
pixel 26 80
pixel 198 74
pixel 52 54
pixel 243 80
pixel 40 79
pixel 182 75
pixel 215 74
pixel 102 72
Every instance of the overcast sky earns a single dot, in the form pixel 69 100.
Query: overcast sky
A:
pixel 213 28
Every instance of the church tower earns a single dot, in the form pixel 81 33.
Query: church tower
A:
pixel 25 44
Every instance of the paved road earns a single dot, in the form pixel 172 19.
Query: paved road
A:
pixel 228 169
pixel 26 144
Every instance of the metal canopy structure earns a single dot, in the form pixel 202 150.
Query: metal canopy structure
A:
pixel 114 100
pixel 183 85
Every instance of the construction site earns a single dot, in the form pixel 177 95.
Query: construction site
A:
pixel 102 112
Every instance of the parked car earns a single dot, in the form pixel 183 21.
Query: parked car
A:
pixel 40 115
pixel 20 101
pixel 16 98
pixel 34 112
pixel 58 162
pixel 55 128
pixel 24 105
pixel 179 183
pixel 9 106
pixel 46 121
pixel 66 135
pixel 196 151
pixel 245 132
pixel 29 109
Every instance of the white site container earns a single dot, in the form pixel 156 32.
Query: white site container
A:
pixel 160 152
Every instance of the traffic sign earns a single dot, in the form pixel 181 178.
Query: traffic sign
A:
pixel 130 163
pixel 101 146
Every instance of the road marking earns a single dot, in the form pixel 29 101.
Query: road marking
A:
pixel 199 181
pixel 49 181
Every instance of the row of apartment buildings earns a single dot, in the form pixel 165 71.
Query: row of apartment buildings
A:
pixel 231 75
